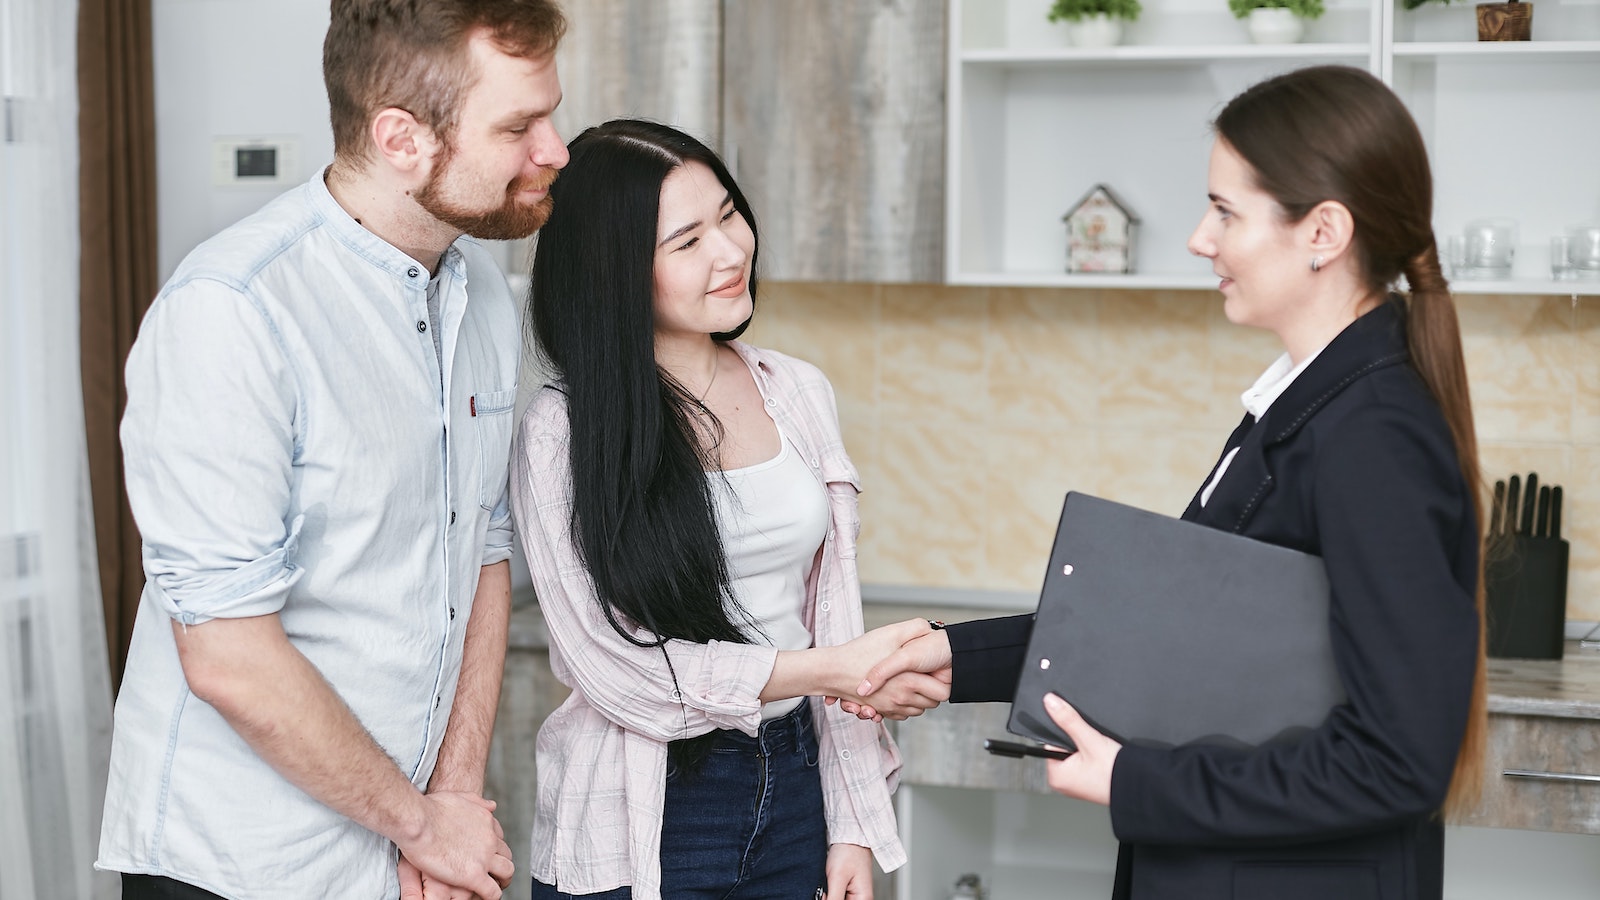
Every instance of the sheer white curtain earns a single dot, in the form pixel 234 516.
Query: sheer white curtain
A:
pixel 55 694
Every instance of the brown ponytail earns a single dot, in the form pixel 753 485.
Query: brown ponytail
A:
pixel 1434 336
pixel 1338 133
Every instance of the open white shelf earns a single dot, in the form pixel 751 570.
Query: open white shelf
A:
pixel 1145 282
pixel 1527 286
pixel 1496 50
pixel 1066 56
pixel 1034 123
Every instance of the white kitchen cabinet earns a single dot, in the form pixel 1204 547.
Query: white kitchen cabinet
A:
pixel 1531 838
pixel 1028 846
pixel 1033 123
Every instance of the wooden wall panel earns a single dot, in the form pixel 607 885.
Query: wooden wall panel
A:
pixel 833 119
pixel 655 59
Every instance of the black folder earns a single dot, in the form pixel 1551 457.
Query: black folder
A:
pixel 1163 632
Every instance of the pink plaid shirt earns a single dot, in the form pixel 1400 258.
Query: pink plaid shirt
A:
pixel 602 756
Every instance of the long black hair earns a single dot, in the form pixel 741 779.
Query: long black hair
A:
pixel 643 519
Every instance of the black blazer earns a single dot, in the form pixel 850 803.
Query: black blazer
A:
pixel 1354 462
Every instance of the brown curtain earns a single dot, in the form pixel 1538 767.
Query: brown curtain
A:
pixel 117 209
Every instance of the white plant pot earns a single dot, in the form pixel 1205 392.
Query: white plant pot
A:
pixel 1098 30
pixel 1274 25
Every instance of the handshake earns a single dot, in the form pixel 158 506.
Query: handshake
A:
pixel 895 672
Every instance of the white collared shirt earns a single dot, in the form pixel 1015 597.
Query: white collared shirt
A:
pixel 293 445
pixel 1257 399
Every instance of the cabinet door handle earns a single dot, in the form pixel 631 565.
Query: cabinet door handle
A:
pixel 1552 776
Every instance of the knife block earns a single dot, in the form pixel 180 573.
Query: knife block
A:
pixel 1525 586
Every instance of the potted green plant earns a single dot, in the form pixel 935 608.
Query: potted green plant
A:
pixel 1510 21
pixel 1094 23
pixel 1276 21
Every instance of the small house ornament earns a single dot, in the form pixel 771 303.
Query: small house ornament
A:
pixel 1100 233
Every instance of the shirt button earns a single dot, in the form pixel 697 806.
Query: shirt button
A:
pixel 413 271
pixel 452 612
pixel 452 517
pixel 826 606
pixel 421 326
pixel 771 402
pixel 844 754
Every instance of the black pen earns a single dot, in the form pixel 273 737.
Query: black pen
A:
pixel 1016 750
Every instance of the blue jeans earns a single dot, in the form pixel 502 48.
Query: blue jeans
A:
pixel 747 826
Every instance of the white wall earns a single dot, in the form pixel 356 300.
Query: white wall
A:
pixel 231 68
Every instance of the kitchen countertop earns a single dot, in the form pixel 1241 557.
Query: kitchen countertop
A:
pixel 1565 688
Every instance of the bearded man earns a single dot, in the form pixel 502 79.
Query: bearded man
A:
pixel 316 439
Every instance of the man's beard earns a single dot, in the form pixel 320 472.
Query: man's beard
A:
pixel 509 221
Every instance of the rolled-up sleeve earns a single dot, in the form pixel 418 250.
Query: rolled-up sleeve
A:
pixel 208 443
pixel 497 543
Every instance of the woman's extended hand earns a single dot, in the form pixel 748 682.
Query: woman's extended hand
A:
pixel 883 650
pixel 914 673
pixel 927 652
pixel 1086 774
pixel 836 671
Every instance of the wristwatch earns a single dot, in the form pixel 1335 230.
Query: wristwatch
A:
pixel 936 625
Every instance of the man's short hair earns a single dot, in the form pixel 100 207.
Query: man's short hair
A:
pixel 412 54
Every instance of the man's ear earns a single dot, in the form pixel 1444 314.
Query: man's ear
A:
pixel 408 145
pixel 1330 230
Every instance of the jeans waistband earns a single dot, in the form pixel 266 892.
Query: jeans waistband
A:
pixel 788 732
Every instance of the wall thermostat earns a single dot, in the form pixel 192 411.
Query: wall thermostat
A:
pixel 269 161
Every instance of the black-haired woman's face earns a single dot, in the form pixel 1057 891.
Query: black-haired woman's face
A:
pixel 704 248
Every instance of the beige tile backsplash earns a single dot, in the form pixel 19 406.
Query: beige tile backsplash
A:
pixel 971 411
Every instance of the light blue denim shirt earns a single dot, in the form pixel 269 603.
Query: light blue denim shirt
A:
pixel 289 450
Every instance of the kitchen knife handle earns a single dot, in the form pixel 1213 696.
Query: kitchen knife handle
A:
pixel 1541 525
pixel 1555 511
pixel 1513 494
pixel 1497 506
pixel 1530 499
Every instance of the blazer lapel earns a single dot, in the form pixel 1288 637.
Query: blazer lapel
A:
pixel 1246 483
pixel 1374 341
pixel 1194 511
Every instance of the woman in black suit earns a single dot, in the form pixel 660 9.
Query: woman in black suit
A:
pixel 1359 448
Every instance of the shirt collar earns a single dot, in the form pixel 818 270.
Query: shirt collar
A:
pixel 383 255
pixel 1273 382
pixel 751 354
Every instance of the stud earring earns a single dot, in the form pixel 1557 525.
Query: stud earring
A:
pixel 1316 263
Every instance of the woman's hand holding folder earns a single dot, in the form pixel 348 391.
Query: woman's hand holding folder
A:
pixel 1086 774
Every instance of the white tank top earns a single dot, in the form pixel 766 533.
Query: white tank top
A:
pixel 772 516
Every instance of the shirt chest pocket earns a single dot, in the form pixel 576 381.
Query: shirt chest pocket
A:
pixel 842 484
pixel 491 419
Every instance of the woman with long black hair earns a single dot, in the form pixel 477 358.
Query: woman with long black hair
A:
pixel 689 517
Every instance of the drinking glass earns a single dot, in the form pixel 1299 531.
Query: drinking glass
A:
pixel 1454 256
pixel 1583 250
pixel 1561 258
pixel 1491 248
